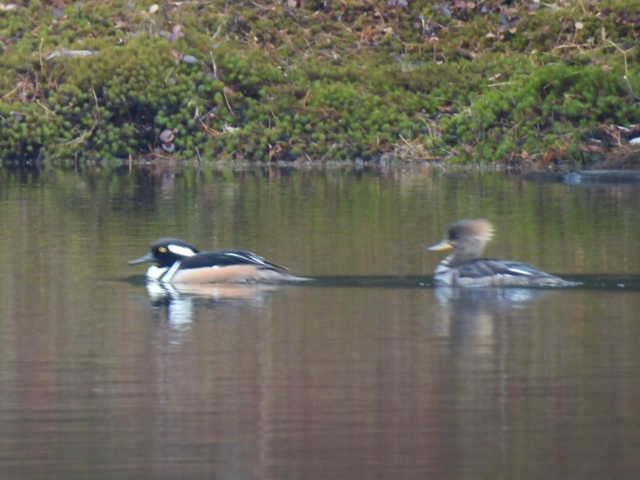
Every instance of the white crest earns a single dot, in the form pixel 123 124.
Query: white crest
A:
pixel 181 250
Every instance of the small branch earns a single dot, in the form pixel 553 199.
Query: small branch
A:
pixel 626 67
pixel 499 84
pixel 40 52
pixel 214 67
pixel 261 7
pixel 624 55
pixel 208 129
pixel 8 94
pixel 71 53
pixel 45 108
pixel 79 139
pixel 226 100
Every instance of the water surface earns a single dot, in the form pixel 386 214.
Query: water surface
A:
pixel 366 372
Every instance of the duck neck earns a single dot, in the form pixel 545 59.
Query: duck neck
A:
pixel 472 249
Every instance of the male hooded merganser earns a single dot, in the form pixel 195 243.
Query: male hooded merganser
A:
pixel 176 261
pixel 465 268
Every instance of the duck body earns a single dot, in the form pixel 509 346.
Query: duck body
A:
pixel 465 267
pixel 487 272
pixel 176 261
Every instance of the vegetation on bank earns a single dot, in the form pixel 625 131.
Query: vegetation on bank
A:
pixel 518 82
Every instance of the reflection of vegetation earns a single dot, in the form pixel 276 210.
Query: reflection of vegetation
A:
pixel 329 80
pixel 324 222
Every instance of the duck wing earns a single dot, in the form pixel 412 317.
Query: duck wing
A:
pixel 226 258
pixel 506 273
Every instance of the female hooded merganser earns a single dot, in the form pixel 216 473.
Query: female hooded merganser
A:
pixel 176 261
pixel 465 268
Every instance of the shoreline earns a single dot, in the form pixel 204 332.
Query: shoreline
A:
pixel 594 174
pixel 536 86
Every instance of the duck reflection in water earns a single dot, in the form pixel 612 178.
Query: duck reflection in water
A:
pixel 182 300
pixel 475 318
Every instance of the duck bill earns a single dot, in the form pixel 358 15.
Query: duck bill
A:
pixel 443 245
pixel 145 259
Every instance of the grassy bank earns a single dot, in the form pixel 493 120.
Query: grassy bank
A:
pixel 522 83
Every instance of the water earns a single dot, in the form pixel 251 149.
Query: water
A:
pixel 366 372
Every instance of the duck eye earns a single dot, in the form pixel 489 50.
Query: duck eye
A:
pixel 162 249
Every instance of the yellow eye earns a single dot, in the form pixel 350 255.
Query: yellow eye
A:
pixel 162 250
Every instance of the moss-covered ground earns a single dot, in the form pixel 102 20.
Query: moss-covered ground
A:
pixel 522 83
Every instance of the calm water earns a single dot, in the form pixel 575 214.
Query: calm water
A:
pixel 367 372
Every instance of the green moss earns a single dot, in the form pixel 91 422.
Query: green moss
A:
pixel 541 108
pixel 481 81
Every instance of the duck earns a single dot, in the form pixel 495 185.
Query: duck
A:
pixel 178 262
pixel 465 267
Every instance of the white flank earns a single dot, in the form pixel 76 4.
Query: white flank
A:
pixel 181 250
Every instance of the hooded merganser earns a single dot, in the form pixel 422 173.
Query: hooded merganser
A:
pixel 465 268
pixel 179 262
